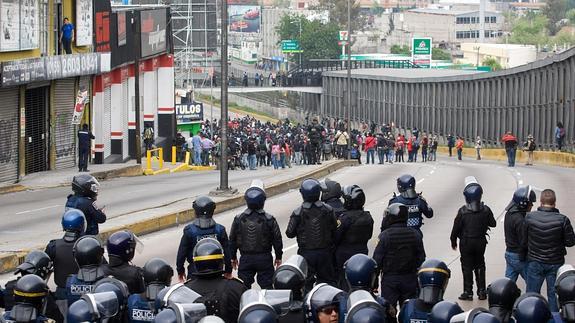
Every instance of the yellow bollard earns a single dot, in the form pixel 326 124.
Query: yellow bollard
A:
pixel 161 158
pixel 187 162
pixel 173 155
pixel 149 160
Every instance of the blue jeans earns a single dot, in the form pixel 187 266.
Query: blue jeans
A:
pixel 197 157
pixel 252 160
pixel 381 155
pixel 459 154
pixel 275 161
pixel 371 153
pixel 245 160
pixel 282 161
pixel 510 157
pixel 515 267
pixel 536 273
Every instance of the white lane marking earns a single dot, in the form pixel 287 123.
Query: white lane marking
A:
pixel 420 181
pixel 290 247
pixel 518 174
pixel 433 171
pixel 40 209
pixel 520 182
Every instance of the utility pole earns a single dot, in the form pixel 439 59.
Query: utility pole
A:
pixel 349 78
pixel 136 30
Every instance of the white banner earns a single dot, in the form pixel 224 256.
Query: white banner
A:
pixel 29 24
pixel 81 100
pixel 84 22
pixel 10 24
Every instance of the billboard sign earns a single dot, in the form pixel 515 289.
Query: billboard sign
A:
pixel 188 113
pixel 19 25
pixel 421 51
pixel 153 28
pixel 81 100
pixel 291 46
pixel 84 28
pixel 244 19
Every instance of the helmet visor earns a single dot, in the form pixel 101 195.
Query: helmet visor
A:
pixel 139 244
pixel 279 299
pixel 104 304
pixel 179 293
pixel 189 312
pixel 431 294
pixel 298 263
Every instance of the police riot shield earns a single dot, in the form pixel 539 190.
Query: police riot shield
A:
pixel 253 300
pixel 467 317
pixel 102 305
pixel 362 306
pixel 257 183
pixel 189 312
pixel 178 293
pixel 296 266
pixel 280 300
pixel 323 295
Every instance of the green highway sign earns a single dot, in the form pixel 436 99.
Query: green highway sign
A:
pixel 421 46
pixel 291 46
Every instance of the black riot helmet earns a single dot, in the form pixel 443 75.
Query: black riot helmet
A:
pixel 321 297
pixel 204 207
pixel 330 189
pixel 524 197
pixel 502 293
pixel 363 308
pixel 353 197
pixel 255 195
pixel 406 186
pixel 433 276
pixel 395 213
pixel 443 311
pixel 118 287
pixel 31 290
pixel 476 315
pixel 361 272
pixel 473 193
pixel 531 307
pixel 291 275
pixel 157 275
pixel 565 288
pixel 211 319
pixel 182 313
pixel 85 185
pixel 254 308
pixel 37 263
pixel 208 257
pixel 122 244
pixel 310 190
pixel 88 251
pixel 94 307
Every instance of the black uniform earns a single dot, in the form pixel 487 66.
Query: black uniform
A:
pixel 315 138
pixel 417 207
pixel 88 206
pixel 398 254
pixel 515 241
pixel 336 205
pixel 51 309
pixel 314 225
pixel 354 229
pixel 471 230
pixel 221 296
pixel 133 276
pixel 60 251
pixel 254 233
pixel 84 146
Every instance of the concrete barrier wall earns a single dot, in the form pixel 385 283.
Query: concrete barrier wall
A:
pixel 540 157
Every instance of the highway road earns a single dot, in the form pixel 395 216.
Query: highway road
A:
pixel 441 183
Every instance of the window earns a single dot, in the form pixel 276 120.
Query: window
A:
pixel 493 20
pixel 467 20
pixel 473 20
pixel 459 20
pixel 458 34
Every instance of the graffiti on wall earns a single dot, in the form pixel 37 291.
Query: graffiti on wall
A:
pixel 8 146
pixel 64 130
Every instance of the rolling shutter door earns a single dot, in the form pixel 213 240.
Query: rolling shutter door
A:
pixel 107 122
pixel 9 134
pixel 64 134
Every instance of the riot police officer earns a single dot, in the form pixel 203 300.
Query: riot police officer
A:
pixel 315 134
pixel 530 308
pixel 501 295
pixel 254 232
pixel 220 295
pixel 202 227
pixel 61 253
pixel 398 254
pixel 432 277
pixel 325 303
pixel 36 263
pixel 181 312
pixel 443 311
pixel 314 225
pixel 415 203
pixel 331 195
pixel 291 275
pixel 30 293
pixel 355 228
pixel 476 315
pixel 515 232
pixel 86 189
pixel 100 307
pixel 363 308
pixel 157 275
pixel 89 255
pixel 470 226
pixel 121 247
pixel 565 289
pixel 260 306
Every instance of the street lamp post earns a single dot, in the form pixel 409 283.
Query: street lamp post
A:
pixel 476 49
pixel 349 78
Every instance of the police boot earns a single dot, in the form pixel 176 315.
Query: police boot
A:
pixel 480 279
pixel 467 294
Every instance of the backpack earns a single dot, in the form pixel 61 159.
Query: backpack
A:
pixel 148 133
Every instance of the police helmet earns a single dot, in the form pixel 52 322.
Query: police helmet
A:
pixel 443 311
pixel 565 288
pixel 182 313
pixel 85 185
pixel 406 186
pixel 503 293
pixel 291 275
pixel 524 197
pixel 363 308
pixel 88 251
pixel 433 276
pixel 110 284
pixel 94 307
pixel 255 309
pixel 37 263
pixel 353 197
pixel 211 319
pixel 395 213
pixel 157 275
pixel 322 298
pixel 74 221
pixel 122 244
pixel 32 290
pixel 476 315
pixel 310 190
pixel 255 196
pixel 204 207
pixel 330 189
pixel 178 293
pixel 208 257
pixel 531 307
pixel 361 272
pixel 80 311
pixel 473 193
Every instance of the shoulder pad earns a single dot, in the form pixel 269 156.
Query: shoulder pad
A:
pixel 306 205
pixel 321 204
pixel 298 211
pixel 421 197
pixel 269 216
pixel 236 280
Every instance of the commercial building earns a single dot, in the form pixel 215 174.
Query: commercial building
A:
pixel 508 55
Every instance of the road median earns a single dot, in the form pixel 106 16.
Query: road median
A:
pixel 553 158
pixel 10 260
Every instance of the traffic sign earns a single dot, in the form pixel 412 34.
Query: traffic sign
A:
pixel 291 46
pixel 343 35
pixel 421 51
pixel 342 43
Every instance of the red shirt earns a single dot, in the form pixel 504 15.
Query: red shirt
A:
pixel 369 143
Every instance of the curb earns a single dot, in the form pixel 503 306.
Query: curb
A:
pixel 9 261
pixel 539 157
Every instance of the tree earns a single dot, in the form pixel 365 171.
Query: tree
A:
pixel 338 13
pixel 317 40
pixel 555 12
pixel 571 16
pixel 564 37
pixel 492 63
pixel 529 30
pixel 440 54
pixel 396 49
